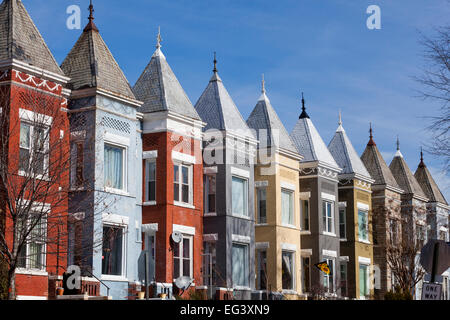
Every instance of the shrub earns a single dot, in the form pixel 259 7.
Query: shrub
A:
pixel 398 294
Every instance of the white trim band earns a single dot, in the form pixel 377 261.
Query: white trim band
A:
pixel 363 206
pixel 329 253
pixel 184 229
pixel 240 172
pixel 240 238
pixel 328 196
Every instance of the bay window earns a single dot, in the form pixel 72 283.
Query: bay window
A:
pixel 288 271
pixel 363 225
pixel 240 265
pixel 183 258
pixel 239 196
pixel 113 250
pixel 114 167
pixel 182 183
pixel 328 216
pixel 150 180
pixel 261 205
pixel 287 207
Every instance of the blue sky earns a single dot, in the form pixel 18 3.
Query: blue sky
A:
pixel 321 47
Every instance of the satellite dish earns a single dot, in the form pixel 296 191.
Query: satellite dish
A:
pixel 177 237
pixel 183 283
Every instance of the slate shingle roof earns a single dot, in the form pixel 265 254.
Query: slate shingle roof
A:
pixel 309 143
pixel 429 186
pixel 21 40
pixel 90 64
pixel 159 89
pixel 345 154
pixel 264 117
pixel 219 111
pixel 404 177
pixel 377 167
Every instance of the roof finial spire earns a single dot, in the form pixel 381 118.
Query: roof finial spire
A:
pixel 340 117
pixel 263 84
pixel 371 142
pixel 91 25
pixel 421 164
pixel 304 114
pixel 158 38
pixel 215 63
pixel 398 143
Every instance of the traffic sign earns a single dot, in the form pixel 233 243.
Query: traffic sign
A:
pixel 323 266
pixel 431 291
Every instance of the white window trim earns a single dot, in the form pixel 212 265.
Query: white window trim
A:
pixel 35 117
pixel 333 218
pixel 329 253
pixel 306 252
pixel 183 157
pixel 184 229
pixel 305 195
pixel 344 222
pixel 179 202
pixel 294 268
pixel 206 194
pixel 191 253
pixel 240 173
pixel 287 185
pixel 261 184
pixel 328 196
pixel 124 190
pixel 240 239
pixel 246 202
pixel 367 226
pixel 33 271
pixel 149 228
pixel 111 138
pixel 305 231
pixel 364 261
pixel 147 162
pixel 288 247
pixel 362 206
pixel 150 155
pixel 262 245
pixel 291 214
pixel 112 222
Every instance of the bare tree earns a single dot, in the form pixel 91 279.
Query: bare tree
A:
pixel 436 82
pixel 35 184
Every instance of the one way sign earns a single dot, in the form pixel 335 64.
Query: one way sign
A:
pixel 431 291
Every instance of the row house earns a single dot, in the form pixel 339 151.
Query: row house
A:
pixel 172 203
pixel 34 146
pixel 413 206
pixel 229 219
pixel 438 214
pixel 105 204
pixel 386 214
pixel 277 204
pixel 319 219
pixel 355 219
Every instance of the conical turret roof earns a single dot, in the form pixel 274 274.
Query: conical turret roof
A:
pixel 90 64
pixel 429 186
pixel 20 39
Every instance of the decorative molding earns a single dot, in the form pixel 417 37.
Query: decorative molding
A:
pixel 29 115
pixel 288 246
pixel 363 260
pixel 183 157
pixel 363 206
pixel 116 139
pixel 184 229
pixel 328 196
pixel 344 258
pixel 149 228
pixel 31 79
pixel 342 204
pixel 287 185
pixel 262 245
pixel 152 154
pixel 240 172
pixel 115 219
pixel 306 252
pixel 329 253
pixel 210 170
pixel 261 184
pixel 305 195
pixel 212 237
pixel 240 238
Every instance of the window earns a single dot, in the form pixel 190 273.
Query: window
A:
pixel 287 207
pixel 261 205
pixel 182 182
pixel 328 279
pixel 150 180
pixel 33 148
pixel 114 167
pixel 262 269
pixel 239 196
pixel 113 247
pixel 77 165
pixel 342 223
pixel 209 263
pixel 393 230
pixel 210 190
pixel 306 266
pixel 363 225
pixel 442 235
pixel 288 273
pixel 363 280
pixel 182 258
pixel 421 233
pixel 328 216
pixel 240 265
pixel 343 274
pixel 32 255
pixel 305 214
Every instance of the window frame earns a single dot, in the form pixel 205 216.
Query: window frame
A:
pixel 124 167
pixel 182 259
pixel 261 268
pixel 293 267
pixel 31 148
pixel 246 270
pixel 343 222
pixel 206 192
pixel 148 163
pixel 123 272
pixel 332 275
pixel 246 213
pixel 366 215
pixel 260 190
pixel 366 278
pixel 291 207
pixel 302 214
pixel 326 218
pixel 306 286
pixel 28 242
pixel 189 166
